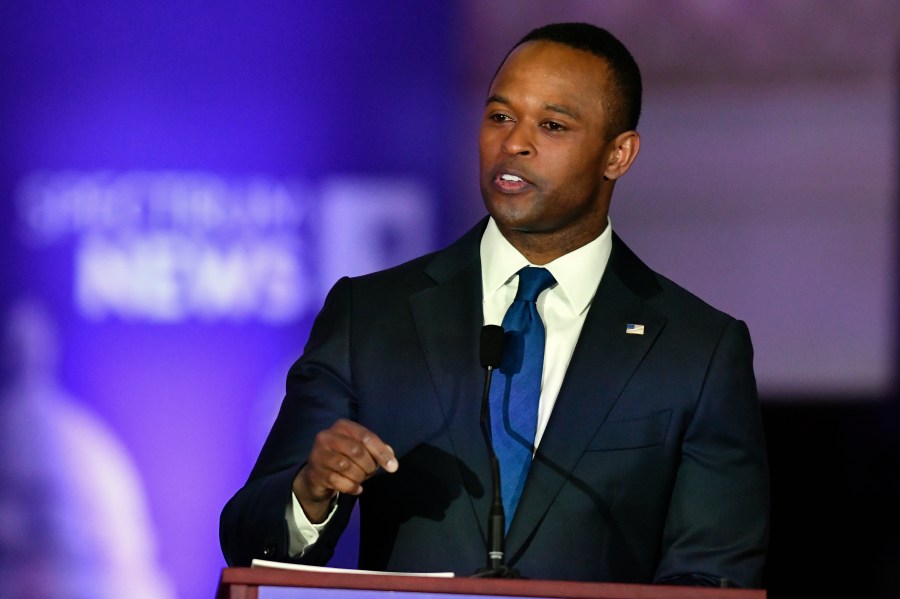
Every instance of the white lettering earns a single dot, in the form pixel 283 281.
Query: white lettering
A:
pixel 170 277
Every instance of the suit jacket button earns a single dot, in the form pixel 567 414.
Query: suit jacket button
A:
pixel 268 550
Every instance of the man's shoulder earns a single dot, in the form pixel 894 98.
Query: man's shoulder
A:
pixel 691 322
pixel 411 270
pixel 431 267
pixel 685 303
pixel 679 305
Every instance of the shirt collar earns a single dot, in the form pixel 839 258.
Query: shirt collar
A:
pixel 577 273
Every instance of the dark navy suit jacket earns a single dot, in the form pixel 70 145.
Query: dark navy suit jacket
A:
pixel 652 467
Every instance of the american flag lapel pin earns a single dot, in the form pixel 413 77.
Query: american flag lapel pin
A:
pixel 634 329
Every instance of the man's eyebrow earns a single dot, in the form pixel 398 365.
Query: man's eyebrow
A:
pixel 497 99
pixel 571 112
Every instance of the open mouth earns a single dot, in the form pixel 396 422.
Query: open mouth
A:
pixel 510 182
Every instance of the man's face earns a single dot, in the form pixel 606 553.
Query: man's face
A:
pixel 542 143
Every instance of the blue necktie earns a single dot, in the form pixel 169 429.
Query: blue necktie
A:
pixel 516 386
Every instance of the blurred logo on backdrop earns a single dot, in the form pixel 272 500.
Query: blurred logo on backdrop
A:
pixel 173 246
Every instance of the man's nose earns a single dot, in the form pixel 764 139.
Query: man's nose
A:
pixel 518 141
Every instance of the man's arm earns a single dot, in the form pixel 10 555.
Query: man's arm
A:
pixel 718 520
pixel 313 450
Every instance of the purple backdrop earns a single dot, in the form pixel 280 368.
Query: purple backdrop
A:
pixel 170 171
pixel 182 182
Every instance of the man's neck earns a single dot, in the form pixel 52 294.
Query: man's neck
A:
pixel 541 248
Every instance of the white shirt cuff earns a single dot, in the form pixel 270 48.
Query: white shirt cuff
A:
pixel 302 533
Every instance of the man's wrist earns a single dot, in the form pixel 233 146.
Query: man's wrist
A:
pixel 315 509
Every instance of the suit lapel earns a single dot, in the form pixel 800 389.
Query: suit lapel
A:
pixel 448 318
pixel 604 360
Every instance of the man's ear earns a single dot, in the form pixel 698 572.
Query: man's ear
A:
pixel 623 149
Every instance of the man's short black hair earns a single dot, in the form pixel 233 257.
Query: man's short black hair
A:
pixel 624 103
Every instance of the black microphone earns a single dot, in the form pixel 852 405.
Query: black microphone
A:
pixel 491 347
pixel 491 355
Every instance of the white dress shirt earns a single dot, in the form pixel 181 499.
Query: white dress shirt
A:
pixel 563 308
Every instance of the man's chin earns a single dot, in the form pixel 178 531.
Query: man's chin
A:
pixel 519 224
pixel 512 211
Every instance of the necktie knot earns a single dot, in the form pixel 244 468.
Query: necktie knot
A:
pixel 532 281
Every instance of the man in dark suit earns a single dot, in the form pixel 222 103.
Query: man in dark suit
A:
pixel 648 461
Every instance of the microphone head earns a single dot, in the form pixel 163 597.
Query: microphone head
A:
pixel 491 345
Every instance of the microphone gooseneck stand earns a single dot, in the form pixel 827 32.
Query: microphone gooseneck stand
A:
pixel 491 347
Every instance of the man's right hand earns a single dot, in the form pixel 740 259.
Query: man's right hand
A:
pixel 342 458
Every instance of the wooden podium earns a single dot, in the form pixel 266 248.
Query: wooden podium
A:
pixel 259 583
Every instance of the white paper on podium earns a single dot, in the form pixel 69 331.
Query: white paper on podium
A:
pixel 261 563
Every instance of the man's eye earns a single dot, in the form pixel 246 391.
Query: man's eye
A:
pixel 554 126
pixel 500 118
